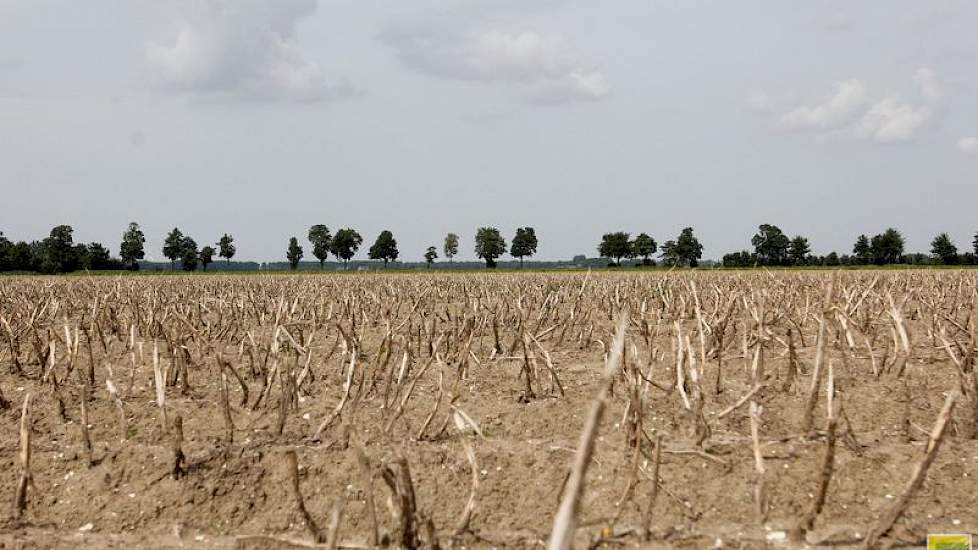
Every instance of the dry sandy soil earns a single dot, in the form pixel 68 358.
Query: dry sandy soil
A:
pixel 296 336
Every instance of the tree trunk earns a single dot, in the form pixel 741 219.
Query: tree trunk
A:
pixel 321 261
pixel 521 262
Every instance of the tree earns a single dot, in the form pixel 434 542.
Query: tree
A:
pixel 944 248
pixel 346 242
pixel 975 244
pixel 524 244
pixel 206 256
pixel 188 254
pixel 743 258
pixel 384 248
pixel 172 246
pixel 321 241
pixel 771 245
pixel 644 246
pixel 451 246
pixel 131 250
pixel 430 255
pixel 862 250
pixel 887 247
pixel 832 259
pixel 59 254
pixel 294 253
pixel 489 245
pixel 227 248
pixel 799 250
pixel 5 248
pixel 616 246
pixel 686 250
pixel 94 256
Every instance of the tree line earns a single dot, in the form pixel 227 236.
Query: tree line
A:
pixel 772 247
pixel 58 253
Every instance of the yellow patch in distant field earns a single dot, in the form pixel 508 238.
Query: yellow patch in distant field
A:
pixel 949 542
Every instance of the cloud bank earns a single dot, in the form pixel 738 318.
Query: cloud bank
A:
pixel 242 48
pixel 544 67
pixel 851 112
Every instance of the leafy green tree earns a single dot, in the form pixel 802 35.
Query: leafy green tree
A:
pixel 944 249
pixel 771 245
pixel 799 250
pixel 685 250
pixel 5 249
pixel 294 253
pixel 743 258
pixel 430 255
pixel 206 256
pixel 321 240
pixel 227 248
pixel 59 254
pixel 451 246
pixel 616 246
pixel 94 256
pixel 173 246
pixel 489 245
pixel 974 244
pixel 384 248
pixel 832 259
pixel 189 256
pixel 643 247
pixel 346 242
pixel 862 250
pixel 887 247
pixel 132 250
pixel 524 244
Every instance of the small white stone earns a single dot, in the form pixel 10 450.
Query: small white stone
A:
pixel 956 521
pixel 305 416
pixel 776 536
pixel 86 527
pixel 132 495
pixel 889 496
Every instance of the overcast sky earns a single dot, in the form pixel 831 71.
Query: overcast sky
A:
pixel 262 117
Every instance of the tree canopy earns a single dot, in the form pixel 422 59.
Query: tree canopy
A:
pixel 616 246
pixel 346 242
pixel 451 246
pixel 293 253
pixel 524 243
pixel 489 245
pixel 173 245
pixel 132 248
pixel 644 247
pixel 943 248
pixel 770 245
pixel 321 241
pixel 227 248
pixel 384 248
pixel 430 255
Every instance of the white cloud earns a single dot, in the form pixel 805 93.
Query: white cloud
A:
pixel 849 113
pixel 544 66
pixel 242 48
pixel 968 145
pixel 849 97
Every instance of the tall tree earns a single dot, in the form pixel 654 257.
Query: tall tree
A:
pixel 887 247
pixel 451 246
pixel 771 245
pixel 227 248
pixel 862 250
pixel 643 247
pixel 944 248
pixel 189 256
pixel 346 242
pixel 799 250
pixel 59 255
pixel 294 253
pixel 132 249
pixel 384 248
pixel 430 255
pixel 489 245
pixel 206 256
pixel 321 241
pixel 688 249
pixel 172 246
pixel 974 244
pixel 616 246
pixel 524 244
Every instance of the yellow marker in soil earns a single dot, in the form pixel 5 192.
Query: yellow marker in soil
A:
pixel 948 542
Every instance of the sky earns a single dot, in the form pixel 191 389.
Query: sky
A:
pixel 259 118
